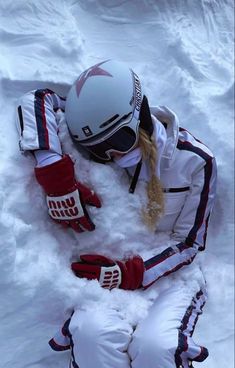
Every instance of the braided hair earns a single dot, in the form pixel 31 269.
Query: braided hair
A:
pixel 155 205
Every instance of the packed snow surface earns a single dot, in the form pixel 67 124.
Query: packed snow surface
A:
pixel 183 52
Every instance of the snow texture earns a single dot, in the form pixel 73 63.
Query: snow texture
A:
pixel 183 53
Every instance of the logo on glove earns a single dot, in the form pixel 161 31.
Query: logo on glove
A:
pixel 64 207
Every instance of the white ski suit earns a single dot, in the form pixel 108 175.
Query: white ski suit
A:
pixel 187 170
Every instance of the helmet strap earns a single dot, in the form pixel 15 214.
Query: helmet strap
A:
pixel 145 117
pixel 135 177
pixel 147 125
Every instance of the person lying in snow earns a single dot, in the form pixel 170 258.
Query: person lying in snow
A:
pixel 109 117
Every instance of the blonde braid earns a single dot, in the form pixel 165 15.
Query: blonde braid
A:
pixel 155 205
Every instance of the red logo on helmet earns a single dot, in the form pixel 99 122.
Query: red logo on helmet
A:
pixel 91 72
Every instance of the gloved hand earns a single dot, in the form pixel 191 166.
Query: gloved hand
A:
pixel 126 274
pixel 66 197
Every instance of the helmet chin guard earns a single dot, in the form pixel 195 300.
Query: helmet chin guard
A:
pixel 103 109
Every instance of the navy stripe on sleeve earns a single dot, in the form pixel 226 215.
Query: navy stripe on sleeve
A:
pixel 53 344
pixel 20 115
pixel 200 214
pixel 39 108
pixel 159 258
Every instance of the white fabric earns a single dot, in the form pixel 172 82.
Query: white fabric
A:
pixel 160 139
pixel 46 157
pixel 163 113
pixel 29 137
pixel 175 259
pixel 129 159
pixel 100 339
pixel 156 339
pixel 104 338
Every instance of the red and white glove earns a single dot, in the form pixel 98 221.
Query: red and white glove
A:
pixel 66 197
pixel 127 274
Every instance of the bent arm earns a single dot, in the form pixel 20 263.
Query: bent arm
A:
pixel 190 229
pixel 36 121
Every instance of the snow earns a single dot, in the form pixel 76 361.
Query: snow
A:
pixel 183 53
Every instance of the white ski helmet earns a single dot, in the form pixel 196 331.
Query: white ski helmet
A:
pixel 102 109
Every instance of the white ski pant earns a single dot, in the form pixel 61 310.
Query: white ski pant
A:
pixel 104 339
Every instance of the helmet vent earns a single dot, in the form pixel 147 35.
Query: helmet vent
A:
pixel 123 118
pixel 107 122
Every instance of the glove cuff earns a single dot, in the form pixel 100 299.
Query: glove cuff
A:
pixel 57 178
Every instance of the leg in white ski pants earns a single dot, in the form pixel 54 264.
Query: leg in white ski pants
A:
pixel 104 339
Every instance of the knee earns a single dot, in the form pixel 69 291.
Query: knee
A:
pixel 102 329
pixel 91 328
pixel 152 347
